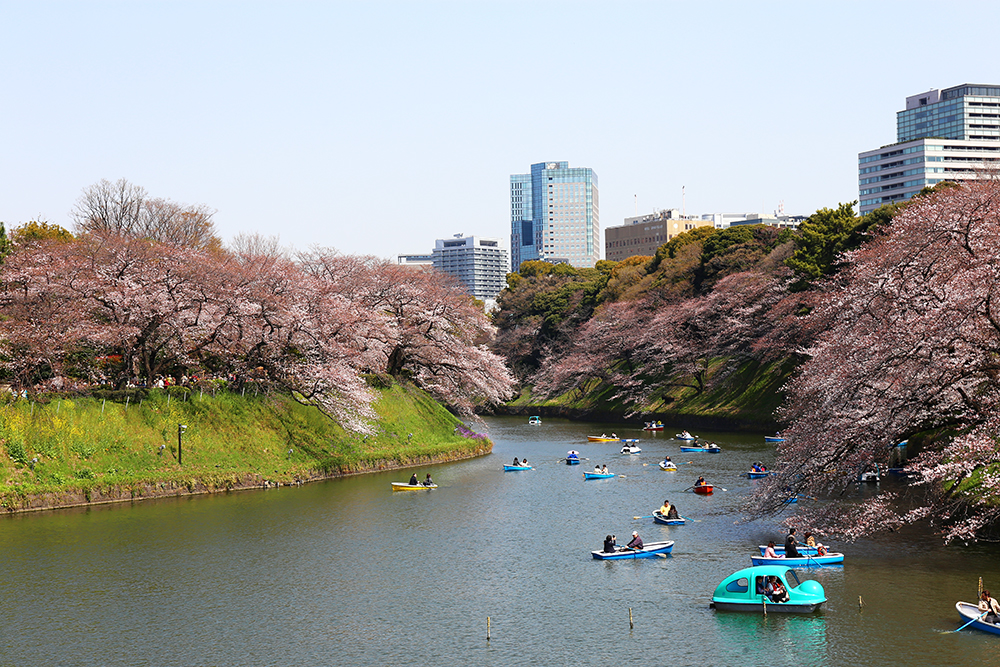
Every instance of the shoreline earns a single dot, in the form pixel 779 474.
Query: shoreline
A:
pixel 248 481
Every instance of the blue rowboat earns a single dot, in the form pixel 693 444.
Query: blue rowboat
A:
pixel 804 561
pixel 969 611
pixel 780 550
pixel 713 449
pixel 659 518
pixel 793 499
pixel 773 438
pixel 753 474
pixel 598 475
pixel 510 468
pixel 685 436
pixel 743 591
pixel 647 551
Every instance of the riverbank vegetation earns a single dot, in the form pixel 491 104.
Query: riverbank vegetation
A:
pixel 63 450
pixel 874 329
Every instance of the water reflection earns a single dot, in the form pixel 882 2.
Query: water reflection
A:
pixel 784 639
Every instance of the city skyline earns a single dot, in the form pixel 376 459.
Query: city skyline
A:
pixel 331 123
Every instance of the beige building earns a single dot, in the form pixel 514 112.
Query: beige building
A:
pixel 644 234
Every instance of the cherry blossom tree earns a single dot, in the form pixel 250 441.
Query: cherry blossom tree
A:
pixel 910 344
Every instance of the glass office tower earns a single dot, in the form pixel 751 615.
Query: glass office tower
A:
pixel 942 135
pixel 554 215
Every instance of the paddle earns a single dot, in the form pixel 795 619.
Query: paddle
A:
pixel 642 517
pixel 972 621
pixel 692 520
pixel 810 558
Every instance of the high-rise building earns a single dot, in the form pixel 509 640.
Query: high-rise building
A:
pixel 942 135
pixel 554 215
pixel 481 264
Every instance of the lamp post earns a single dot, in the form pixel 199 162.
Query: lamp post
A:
pixel 180 431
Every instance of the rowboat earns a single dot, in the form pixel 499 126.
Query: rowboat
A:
pixel 405 486
pixel 572 457
pixel 647 551
pixel 659 518
pixel 791 500
pixel 668 465
pixel 803 549
pixel 744 591
pixel 709 449
pixel 773 438
pixel 806 560
pixel 631 449
pixel 704 489
pixel 969 611
pixel 598 475
pixel 602 438
pixel 628 441
pixel 510 468
pixel 902 443
pixel 535 420
pixel 653 426
pixel 757 474
pixel 685 436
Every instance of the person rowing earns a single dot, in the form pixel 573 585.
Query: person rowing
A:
pixel 636 541
pixel 665 508
pixel 701 482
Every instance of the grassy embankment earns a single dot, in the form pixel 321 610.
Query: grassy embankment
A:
pixel 89 450
pixel 743 399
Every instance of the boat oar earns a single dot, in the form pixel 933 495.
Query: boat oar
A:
pixel 642 517
pixel 815 562
pixel 687 489
pixel 972 621
pixel 692 520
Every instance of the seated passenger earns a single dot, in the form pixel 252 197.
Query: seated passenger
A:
pixel 609 544
pixel 604 470
pixel 770 552
pixel 413 480
pixel 673 513
pixel 778 592
pixel 665 508
pixel 636 541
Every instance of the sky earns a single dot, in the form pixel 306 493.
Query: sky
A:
pixel 377 127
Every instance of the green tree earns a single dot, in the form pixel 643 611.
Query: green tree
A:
pixel 822 238
pixel 36 230
pixel 4 242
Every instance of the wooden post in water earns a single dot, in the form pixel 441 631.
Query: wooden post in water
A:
pixel 631 626
pixel 487 628
pixel 861 603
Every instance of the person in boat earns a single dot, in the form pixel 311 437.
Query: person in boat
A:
pixel 673 513
pixel 701 482
pixel 428 481
pixel 770 552
pixel 791 544
pixel 665 508
pixel 667 461
pixel 524 463
pixel 811 542
pixel 614 435
pixel 635 542
pixel 609 544
pixel 516 461
pixel 990 606
pixel 778 592
pixel 604 470
pixel 597 469
pixel 413 480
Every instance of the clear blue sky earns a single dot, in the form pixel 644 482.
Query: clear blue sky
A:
pixel 377 127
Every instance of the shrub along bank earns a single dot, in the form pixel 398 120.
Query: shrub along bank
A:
pixel 63 451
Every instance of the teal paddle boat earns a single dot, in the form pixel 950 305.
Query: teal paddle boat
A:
pixel 804 560
pixel 745 590
pixel 598 475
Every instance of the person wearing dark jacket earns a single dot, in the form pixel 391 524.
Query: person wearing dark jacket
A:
pixel 791 542
pixel 609 544
pixel 413 480
pixel 635 542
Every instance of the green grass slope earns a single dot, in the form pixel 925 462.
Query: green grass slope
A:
pixel 72 451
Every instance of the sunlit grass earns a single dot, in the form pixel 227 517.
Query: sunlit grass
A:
pixel 87 445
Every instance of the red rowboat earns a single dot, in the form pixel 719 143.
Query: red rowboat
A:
pixel 704 489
